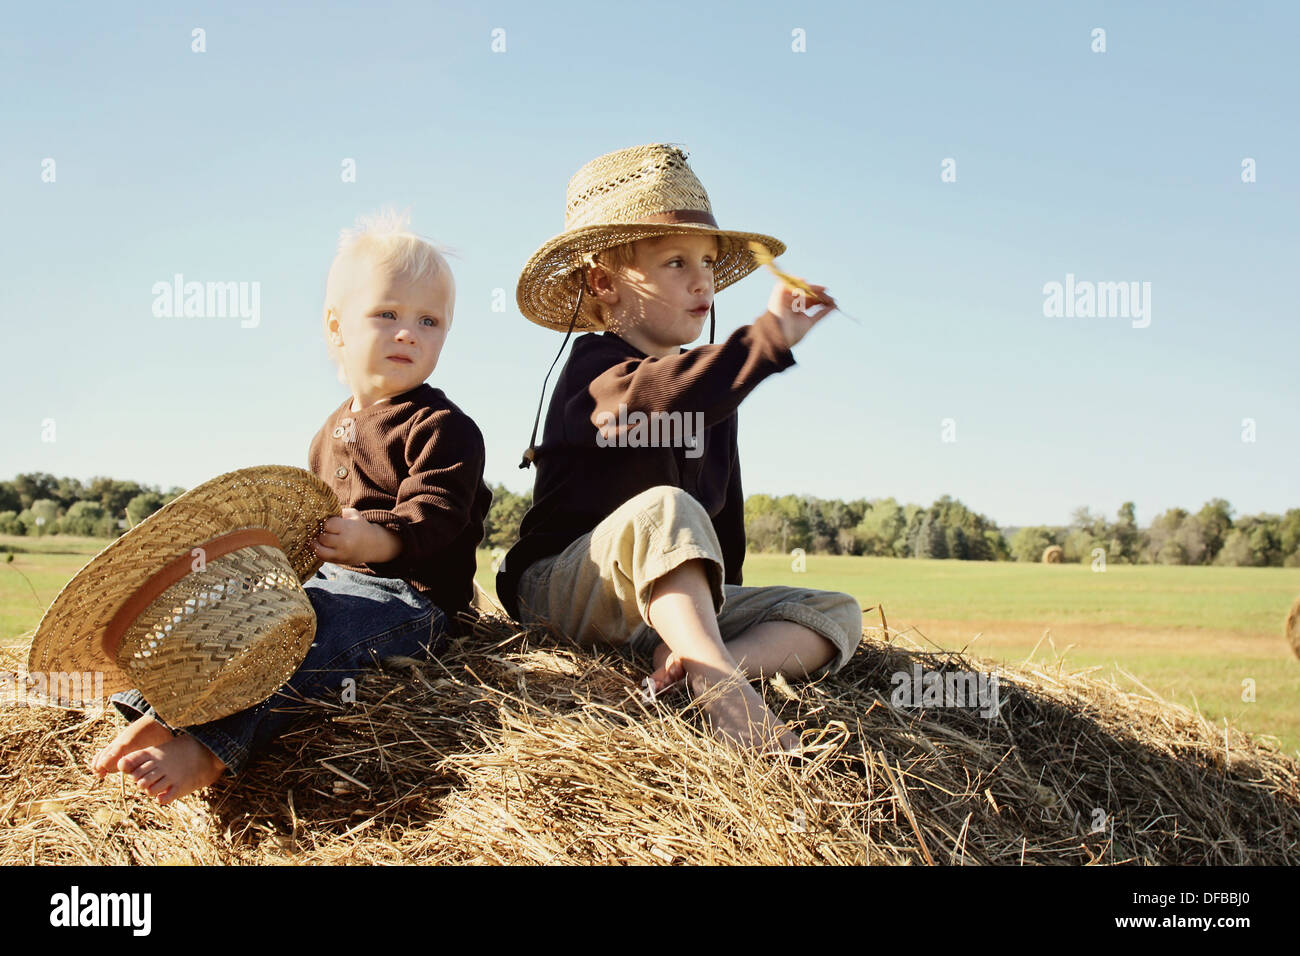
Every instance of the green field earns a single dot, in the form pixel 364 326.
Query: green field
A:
pixel 1189 634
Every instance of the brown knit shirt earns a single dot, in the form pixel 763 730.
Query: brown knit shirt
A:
pixel 414 465
pixel 579 482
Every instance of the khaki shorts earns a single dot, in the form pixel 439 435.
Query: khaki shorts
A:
pixel 598 589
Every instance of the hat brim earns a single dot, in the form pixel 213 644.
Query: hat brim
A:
pixel 289 502
pixel 547 292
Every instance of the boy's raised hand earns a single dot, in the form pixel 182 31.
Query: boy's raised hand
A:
pixel 351 539
pixel 796 312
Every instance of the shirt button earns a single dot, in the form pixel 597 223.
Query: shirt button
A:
pixel 341 472
pixel 338 431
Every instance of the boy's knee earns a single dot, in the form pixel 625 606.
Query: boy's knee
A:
pixel 665 519
pixel 661 529
pixel 846 612
pixel 673 504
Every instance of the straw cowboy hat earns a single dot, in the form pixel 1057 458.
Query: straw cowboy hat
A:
pixel 631 194
pixel 635 193
pixel 201 605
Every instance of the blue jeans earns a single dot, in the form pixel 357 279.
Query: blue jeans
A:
pixel 361 620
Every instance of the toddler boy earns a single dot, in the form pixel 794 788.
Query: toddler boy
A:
pixel 406 465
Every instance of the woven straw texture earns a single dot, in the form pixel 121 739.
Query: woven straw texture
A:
pixel 605 203
pixel 253 596
pixel 222 638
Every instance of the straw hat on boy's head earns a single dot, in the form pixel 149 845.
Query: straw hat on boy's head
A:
pixel 631 194
pixel 201 605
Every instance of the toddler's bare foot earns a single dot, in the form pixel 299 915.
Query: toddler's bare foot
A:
pixel 142 732
pixel 668 668
pixel 173 769
pixel 741 717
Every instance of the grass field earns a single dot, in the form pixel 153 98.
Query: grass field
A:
pixel 1192 635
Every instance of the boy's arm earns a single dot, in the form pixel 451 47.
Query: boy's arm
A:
pixel 445 456
pixel 712 379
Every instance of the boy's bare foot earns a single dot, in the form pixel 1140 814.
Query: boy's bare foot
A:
pixel 173 769
pixel 740 716
pixel 142 732
pixel 668 668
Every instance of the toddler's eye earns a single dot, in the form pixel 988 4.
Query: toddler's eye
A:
pixel 388 315
pixel 433 323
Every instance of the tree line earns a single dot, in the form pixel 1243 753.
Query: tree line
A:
pixel 949 529
pixel 40 504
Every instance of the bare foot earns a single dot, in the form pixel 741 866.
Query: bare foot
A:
pixel 741 717
pixel 142 732
pixel 668 668
pixel 173 769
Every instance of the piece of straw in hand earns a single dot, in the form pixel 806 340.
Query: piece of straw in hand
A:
pixel 765 258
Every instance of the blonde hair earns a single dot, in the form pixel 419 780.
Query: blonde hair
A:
pixel 383 239
pixel 615 259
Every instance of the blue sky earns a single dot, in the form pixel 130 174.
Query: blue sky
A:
pixel 1122 166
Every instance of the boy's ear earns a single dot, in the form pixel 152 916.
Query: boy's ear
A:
pixel 601 284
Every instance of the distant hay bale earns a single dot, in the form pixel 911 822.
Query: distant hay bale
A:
pixel 1053 554
pixel 516 747
pixel 1293 627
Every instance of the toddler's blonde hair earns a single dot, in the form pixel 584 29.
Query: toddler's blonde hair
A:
pixel 385 239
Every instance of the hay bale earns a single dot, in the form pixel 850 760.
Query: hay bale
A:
pixel 516 747
pixel 1053 554
pixel 1293 627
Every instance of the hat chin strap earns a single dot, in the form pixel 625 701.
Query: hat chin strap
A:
pixel 530 455
pixel 713 322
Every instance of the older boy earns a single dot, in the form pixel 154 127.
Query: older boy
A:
pixel 407 466
pixel 638 540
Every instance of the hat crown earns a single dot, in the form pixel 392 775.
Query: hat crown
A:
pixel 628 185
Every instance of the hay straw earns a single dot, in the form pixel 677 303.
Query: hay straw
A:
pixel 518 748
pixel 764 257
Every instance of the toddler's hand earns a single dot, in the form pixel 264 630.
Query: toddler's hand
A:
pixel 797 312
pixel 351 539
